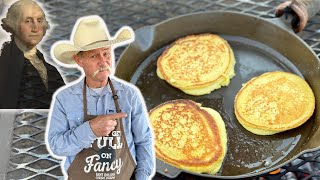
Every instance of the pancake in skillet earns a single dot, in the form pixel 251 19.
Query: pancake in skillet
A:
pixel 189 136
pixel 197 64
pixel 274 102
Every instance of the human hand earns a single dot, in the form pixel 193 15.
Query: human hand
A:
pixel 104 124
pixel 300 8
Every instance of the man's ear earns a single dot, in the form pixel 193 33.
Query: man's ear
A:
pixel 77 59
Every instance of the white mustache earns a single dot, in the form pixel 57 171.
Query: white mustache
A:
pixel 103 68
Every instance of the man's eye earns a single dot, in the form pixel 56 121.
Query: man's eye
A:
pixel 93 56
pixel 40 20
pixel 28 21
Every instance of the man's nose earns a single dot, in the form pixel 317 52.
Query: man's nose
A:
pixel 103 60
pixel 35 26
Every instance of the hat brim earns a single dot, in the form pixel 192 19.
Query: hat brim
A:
pixel 64 52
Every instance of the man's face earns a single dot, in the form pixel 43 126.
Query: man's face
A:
pixel 96 64
pixel 30 25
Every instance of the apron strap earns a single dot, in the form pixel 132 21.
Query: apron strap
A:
pixel 85 115
pixel 114 96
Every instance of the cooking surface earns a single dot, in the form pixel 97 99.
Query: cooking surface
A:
pixel 29 158
pixel 247 153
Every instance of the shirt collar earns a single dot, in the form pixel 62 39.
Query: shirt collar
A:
pixel 78 88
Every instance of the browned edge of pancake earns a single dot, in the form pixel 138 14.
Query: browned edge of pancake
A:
pixel 210 122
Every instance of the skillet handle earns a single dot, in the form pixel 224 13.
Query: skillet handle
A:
pixel 166 169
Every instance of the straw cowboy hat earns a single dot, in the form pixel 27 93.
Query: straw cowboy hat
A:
pixel 89 33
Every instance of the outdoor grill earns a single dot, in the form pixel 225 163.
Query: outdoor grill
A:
pixel 29 158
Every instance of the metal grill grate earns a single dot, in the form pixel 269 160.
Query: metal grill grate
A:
pixel 29 157
pixel 30 160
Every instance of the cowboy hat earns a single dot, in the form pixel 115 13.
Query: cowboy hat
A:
pixel 89 33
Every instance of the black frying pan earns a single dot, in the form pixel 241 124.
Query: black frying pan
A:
pixel 259 46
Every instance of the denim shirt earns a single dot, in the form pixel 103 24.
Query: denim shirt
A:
pixel 68 134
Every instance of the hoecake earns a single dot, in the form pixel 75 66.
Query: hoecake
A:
pixel 274 102
pixel 197 64
pixel 189 136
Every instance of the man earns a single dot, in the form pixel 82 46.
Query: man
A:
pixel 26 80
pixel 97 142
pixel 304 9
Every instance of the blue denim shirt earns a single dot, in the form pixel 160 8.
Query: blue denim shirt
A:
pixel 68 134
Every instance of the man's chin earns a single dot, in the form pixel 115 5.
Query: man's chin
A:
pixel 32 43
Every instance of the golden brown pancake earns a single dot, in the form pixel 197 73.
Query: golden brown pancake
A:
pixel 197 64
pixel 274 102
pixel 189 136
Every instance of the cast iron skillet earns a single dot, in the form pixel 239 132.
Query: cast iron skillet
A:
pixel 259 46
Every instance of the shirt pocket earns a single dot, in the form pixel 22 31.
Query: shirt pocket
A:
pixel 75 119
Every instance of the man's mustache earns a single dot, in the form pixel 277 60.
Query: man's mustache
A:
pixel 102 68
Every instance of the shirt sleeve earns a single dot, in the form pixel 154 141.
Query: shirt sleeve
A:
pixel 143 139
pixel 64 141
